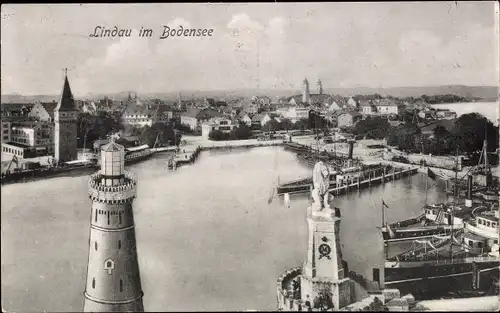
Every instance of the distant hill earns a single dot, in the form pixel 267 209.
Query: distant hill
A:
pixel 488 93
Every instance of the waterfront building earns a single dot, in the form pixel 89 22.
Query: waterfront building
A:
pixel 27 139
pixel 221 124
pixel 195 117
pixel 65 130
pixel 113 281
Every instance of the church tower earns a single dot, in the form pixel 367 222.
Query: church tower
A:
pixel 320 87
pixel 113 278
pixel 65 130
pixel 306 96
pixel 323 271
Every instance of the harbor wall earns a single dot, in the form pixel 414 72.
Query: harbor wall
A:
pixel 446 162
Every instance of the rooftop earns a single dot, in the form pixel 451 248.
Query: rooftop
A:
pixel 112 147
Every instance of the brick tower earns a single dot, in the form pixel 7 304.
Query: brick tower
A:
pixel 113 278
pixel 65 130
pixel 322 276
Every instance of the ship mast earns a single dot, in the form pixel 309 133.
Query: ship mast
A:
pixel 455 196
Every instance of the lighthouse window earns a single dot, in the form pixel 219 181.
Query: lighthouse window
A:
pixel 96 215
pixel 109 265
pixel 488 224
pixel 120 217
pixel 93 282
pixel 480 221
pixel 119 244
pixel 108 217
pixel 121 285
pixel 95 245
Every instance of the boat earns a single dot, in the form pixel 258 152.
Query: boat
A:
pixel 135 154
pixel 436 219
pixel 296 147
pixel 466 260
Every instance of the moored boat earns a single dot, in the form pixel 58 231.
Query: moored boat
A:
pixel 467 260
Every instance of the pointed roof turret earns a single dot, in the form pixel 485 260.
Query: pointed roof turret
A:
pixel 66 102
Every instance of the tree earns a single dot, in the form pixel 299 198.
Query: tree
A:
pixel 286 124
pixel 217 135
pixel 301 124
pixel 241 132
pixel 271 126
pixel 372 128
pixel 97 126
pixel 159 133
pixel 471 130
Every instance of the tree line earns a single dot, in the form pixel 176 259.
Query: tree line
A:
pixel 467 135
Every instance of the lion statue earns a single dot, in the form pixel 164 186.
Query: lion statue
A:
pixel 321 184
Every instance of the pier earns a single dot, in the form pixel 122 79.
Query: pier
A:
pixel 354 180
pixel 183 157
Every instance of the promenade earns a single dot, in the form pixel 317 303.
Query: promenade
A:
pixel 191 142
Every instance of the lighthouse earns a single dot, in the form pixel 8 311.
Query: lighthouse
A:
pixel 113 279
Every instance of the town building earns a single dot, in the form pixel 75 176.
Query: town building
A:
pixel 43 111
pixel 113 282
pixel 6 131
pixel 259 120
pixel 27 139
pixel 348 119
pixel 194 117
pixel 221 124
pixel 245 118
pixel 445 114
pixel 146 115
pixel 65 130
pixel 367 107
pixel 351 104
pixel 89 107
pixel 386 106
pixel 295 114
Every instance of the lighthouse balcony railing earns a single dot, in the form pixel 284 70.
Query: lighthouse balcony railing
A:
pixel 124 191
pixel 287 301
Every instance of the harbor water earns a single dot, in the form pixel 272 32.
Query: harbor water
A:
pixel 207 237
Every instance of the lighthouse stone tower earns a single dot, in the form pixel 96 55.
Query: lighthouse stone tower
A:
pixel 113 278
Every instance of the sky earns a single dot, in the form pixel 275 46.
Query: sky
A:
pixel 261 45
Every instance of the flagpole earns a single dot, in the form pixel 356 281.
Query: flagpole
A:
pixel 383 213
pixel 426 188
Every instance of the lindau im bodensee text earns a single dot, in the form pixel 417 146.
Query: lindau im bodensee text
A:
pixel 166 32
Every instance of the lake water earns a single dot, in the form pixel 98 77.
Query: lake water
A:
pixel 491 110
pixel 207 238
